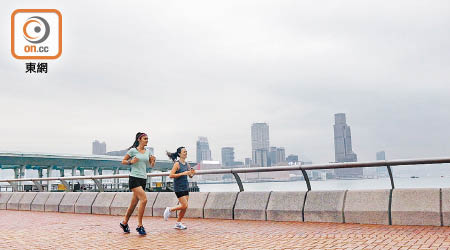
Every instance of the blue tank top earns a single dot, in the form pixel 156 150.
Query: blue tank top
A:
pixel 181 183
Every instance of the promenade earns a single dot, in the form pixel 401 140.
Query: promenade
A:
pixel 51 230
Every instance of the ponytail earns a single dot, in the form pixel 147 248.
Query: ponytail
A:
pixel 174 156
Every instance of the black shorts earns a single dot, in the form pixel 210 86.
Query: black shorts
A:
pixel 134 182
pixel 181 194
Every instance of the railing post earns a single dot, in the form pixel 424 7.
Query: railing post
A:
pixel 16 173
pixel 163 182
pixel 81 174
pixel 13 185
pixel 305 176
pixel 22 171
pixel 239 182
pixel 38 185
pixel 40 175
pixel 19 173
pixel 149 182
pixel 49 174
pixel 40 172
pixel 116 180
pixel 390 176
pixel 98 171
pixel 74 172
pixel 99 185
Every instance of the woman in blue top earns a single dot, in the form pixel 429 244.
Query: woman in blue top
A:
pixel 139 158
pixel 180 171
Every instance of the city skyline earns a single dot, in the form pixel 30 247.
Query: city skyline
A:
pixel 178 69
pixel 202 150
pixel 339 118
pixel 265 155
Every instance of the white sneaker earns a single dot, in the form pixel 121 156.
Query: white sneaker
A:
pixel 167 213
pixel 180 226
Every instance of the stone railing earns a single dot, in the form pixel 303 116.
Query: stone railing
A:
pixel 428 206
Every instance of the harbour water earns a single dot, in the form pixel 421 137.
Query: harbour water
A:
pixel 300 185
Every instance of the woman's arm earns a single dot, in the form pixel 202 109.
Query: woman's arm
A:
pixel 175 167
pixel 152 160
pixel 127 161
pixel 191 171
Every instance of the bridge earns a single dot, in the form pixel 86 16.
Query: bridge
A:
pixel 40 162
pixel 77 164
pixel 334 219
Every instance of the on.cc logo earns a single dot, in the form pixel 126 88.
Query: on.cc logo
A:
pixel 36 29
pixel 36 34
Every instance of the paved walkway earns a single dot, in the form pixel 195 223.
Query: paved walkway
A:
pixel 39 230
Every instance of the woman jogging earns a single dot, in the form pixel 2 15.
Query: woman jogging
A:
pixel 180 171
pixel 139 158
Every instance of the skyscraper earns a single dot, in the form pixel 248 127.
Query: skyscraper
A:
pixel 248 162
pixel 381 156
pixel 276 155
pixel 343 148
pixel 203 152
pixel 281 155
pixel 272 156
pixel 98 148
pixel 382 171
pixel 292 158
pixel 227 156
pixel 261 157
pixel 260 144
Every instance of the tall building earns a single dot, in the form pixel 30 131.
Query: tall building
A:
pixel 382 171
pixel 98 148
pixel 260 144
pixel 292 158
pixel 203 151
pixel 281 155
pixel 272 156
pixel 381 156
pixel 261 157
pixel 276 155
pixel 343 148
pixel 248 162
pixel 227 156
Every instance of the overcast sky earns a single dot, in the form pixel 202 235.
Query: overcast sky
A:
pixel 182 69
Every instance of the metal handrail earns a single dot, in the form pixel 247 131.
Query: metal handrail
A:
pixel 236 171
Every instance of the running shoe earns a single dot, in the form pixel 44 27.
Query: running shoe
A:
pixel 125 228
pixel 141 230
pixel 167 213
pixel 180 226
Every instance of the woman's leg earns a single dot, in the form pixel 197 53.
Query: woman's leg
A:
pixel 183 206
pixel 140 194
pixel 180 206
pixel 130 210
